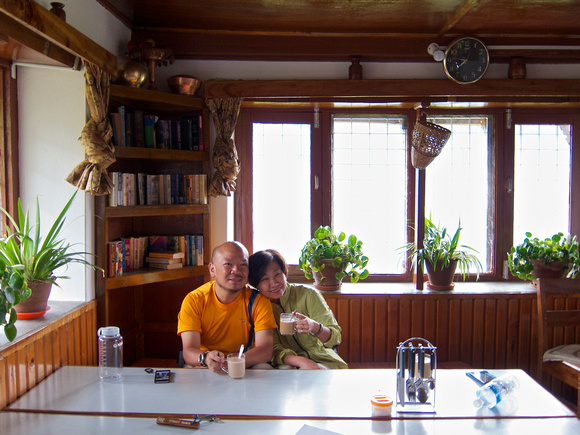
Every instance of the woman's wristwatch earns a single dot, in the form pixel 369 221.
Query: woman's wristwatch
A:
pixel 201 359
pixel 314 334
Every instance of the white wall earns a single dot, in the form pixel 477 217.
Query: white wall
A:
pixel 51 114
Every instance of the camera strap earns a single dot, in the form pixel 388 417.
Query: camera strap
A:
pixel 251 319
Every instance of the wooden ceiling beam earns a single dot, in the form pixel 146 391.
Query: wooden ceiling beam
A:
pixel 281 46
pixel 421 90
pixel 39 20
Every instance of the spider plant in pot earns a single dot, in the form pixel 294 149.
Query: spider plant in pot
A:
pixel 552 257
pixel 441 254
pixel 35 257
pixel 328 258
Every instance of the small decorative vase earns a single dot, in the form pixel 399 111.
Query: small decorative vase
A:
pixel 355 70
pixel 58 10
pixel 517 68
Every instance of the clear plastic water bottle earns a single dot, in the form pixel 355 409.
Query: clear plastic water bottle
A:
pixel 496 390
pixel 110 354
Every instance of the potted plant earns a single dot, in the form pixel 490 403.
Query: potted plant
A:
pixel 34 259
pixel 441 254
pixel 328 258
pixel 553 257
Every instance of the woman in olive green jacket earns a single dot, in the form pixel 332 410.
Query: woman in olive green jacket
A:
pixel 317 332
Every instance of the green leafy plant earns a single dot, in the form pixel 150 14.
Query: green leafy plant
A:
pixel 346 255
pixel 440 248
pixel 13 289
pixel 26 256
pixel 556 251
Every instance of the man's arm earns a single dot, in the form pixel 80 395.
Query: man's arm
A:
pixel 262 351
pixel 191 341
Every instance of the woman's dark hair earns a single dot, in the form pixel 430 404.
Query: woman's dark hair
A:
pixel 260 260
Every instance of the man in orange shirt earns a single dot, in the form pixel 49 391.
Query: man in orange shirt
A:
pixel 214 319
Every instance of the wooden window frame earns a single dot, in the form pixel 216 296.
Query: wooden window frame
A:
pixel 9 175
pixel 502 213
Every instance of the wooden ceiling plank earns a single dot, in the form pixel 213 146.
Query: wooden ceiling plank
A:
pixel 563 90
pixel 457 16
pixel 41 21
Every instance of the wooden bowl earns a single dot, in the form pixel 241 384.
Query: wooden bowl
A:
pixel 184 85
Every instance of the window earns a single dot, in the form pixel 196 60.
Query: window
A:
pixel 541 170
pixel 369 168
pixel 281 187
pixel 464 170
pixel 351 170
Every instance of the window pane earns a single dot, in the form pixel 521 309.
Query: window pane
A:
pixel 281 188
pixel 542 170
pixel 459 184
pixel 369 186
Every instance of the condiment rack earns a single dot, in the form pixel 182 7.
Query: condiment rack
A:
pixel 416 376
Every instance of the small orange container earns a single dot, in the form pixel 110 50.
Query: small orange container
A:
pixel 382 406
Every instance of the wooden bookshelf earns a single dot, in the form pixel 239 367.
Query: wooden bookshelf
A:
pixel 144 302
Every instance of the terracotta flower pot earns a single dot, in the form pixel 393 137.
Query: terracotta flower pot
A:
pixel 441 279
pixel 325 279
pixel 36 305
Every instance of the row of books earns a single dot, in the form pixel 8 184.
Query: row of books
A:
pixel 133 128
pixel 157 189
pixel 163 252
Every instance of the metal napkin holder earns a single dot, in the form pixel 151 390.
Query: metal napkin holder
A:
pixel 416 376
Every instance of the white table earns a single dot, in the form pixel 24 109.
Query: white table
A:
pixel 269 393
pixel 17 423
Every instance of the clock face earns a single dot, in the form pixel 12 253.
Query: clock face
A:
pixel 466 60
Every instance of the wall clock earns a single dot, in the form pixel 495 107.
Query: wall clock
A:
pixel 466 60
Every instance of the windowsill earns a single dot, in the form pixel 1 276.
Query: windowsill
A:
pixel 26 328
pixel 461 288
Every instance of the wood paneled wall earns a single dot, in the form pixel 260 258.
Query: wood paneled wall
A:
pixel 492 331
pixel 71 340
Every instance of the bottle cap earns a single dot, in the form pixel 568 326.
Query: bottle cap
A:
pixel 382 401
pixel 478 403
pixel 109 331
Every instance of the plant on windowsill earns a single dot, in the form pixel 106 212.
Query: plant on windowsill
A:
pixel 553 257
pixel 33 258
pixel 441 254
pixel 328 259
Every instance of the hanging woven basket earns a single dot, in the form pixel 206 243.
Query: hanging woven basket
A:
pixel 428 141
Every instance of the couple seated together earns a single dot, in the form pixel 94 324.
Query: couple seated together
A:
pixel 225 313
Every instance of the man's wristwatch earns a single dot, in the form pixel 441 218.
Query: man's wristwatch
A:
pixel 201 359
pixel 317 332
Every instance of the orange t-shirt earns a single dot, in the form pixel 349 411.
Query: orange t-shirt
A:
pixel 223 327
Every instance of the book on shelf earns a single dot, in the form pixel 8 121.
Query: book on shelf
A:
pixel 126 254
pixel 165 243
pixel 129 121
pixel 167 254
pixel 150 260
pixel 166 266
pixel 175 125
pixel 200 133
pixel 149 129
pixel 138 128
pixel 162 134
pixel 152 187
